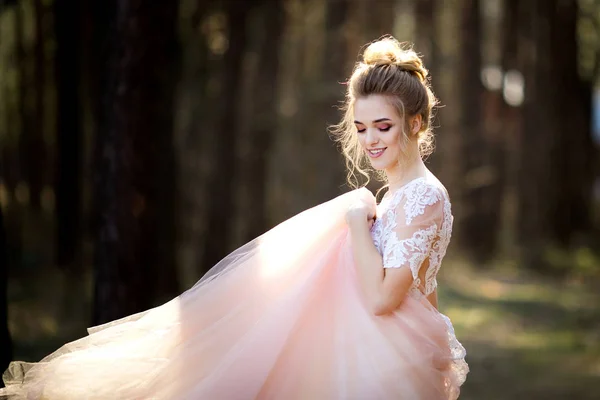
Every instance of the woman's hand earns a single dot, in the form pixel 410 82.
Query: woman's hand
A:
pixel 360 213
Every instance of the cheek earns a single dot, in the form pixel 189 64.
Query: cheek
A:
pixel 393 138
pixel 361 139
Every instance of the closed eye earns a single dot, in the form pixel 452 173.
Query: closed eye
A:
pixel 385 128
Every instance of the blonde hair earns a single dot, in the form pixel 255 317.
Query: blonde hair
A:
pixel 394 70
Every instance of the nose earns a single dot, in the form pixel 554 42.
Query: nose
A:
pixel 371 137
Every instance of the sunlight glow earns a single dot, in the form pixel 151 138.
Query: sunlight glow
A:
pixel 278 255
pixel 514 88
pixel 491 77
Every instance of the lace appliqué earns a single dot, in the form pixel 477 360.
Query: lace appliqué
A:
pixel 431 242
pixel 458 367
pixel 418 197
pixel 411 251
pixel 438 249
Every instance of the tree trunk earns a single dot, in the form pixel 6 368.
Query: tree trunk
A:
pixel 448 88
pixel 379 20
pixel 22 110
pixel 69 147
pixel 134 180
pixel 287 159
pixel 31 140
pixel 573 188
pixel 536 179
pixel 427 45
pixel 195 118
pixel 326 164
pixel 221 202
pixel 37 147
pixel 4 4
pixel 479 223
pixel 263 122
pixel 5 339
pixel 511 124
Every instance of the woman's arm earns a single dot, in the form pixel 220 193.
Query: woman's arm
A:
pixel 387 278
pixel 384 289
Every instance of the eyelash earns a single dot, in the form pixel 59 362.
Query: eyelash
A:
pixel 381 129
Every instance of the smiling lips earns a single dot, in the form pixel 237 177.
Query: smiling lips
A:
pixel 376 153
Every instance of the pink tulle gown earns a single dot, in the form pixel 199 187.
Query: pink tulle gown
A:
pixel 282 317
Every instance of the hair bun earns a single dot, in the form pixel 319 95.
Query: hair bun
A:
pixel 388 51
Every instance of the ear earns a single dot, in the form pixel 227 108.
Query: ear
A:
pixel 416 123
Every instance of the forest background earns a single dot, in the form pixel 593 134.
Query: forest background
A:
pixel 142 140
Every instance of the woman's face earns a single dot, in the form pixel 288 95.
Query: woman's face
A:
pixel 379 129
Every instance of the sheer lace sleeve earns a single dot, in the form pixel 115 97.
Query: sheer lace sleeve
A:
pixel 411 232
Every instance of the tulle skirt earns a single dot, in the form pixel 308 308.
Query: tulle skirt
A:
pixel 282 317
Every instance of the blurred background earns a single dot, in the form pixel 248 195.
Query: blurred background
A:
pixel 141 141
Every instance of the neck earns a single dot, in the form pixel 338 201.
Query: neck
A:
pixel 401 174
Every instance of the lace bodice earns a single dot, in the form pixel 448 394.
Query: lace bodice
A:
pixel 413 229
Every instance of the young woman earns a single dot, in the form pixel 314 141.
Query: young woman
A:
pixel 338 302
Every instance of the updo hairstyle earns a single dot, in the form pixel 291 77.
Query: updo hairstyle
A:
pixel 394 70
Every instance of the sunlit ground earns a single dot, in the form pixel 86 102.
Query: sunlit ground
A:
pixel 526 337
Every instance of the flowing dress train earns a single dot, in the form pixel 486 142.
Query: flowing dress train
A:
pixel 282 317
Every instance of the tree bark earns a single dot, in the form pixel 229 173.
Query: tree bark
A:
pixel 511 124
pixel 536 177
pixel 327 162
pixel 426 44
pixel 325 172
pixel 69 147
pixel 31 140
pixel 263 122
pixel 37 147
pixel 479 215
pixel 573 188
pixel 4 4
pixel 5 338
pixel 134 180
pixel 22 110
pixel 379 19
pixel 195 120
pixel 221 202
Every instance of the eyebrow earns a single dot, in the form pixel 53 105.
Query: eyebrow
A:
pixel 375 121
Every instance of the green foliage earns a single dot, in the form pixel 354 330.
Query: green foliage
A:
pixel 579 263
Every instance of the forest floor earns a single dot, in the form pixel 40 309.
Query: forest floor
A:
pixel 527 337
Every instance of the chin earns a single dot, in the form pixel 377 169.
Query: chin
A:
pixel 377 167
pixel 380 165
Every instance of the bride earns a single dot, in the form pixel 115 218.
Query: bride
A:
pixel 338 302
